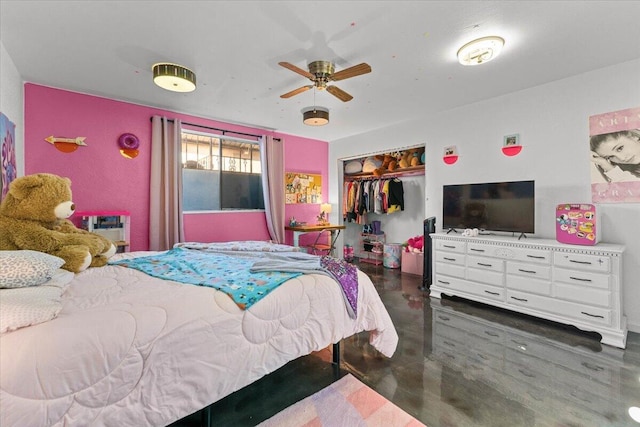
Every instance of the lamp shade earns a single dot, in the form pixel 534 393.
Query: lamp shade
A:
pixel 315 116
pixel 325 207
pixel 481 50
pixel 174 77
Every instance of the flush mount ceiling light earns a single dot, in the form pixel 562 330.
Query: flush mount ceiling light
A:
pixel 315 116
pixel 174 77
pixel 480 50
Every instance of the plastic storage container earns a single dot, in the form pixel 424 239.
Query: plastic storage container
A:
pixel 391 255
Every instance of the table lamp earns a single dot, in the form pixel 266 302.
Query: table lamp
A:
pixel 325 210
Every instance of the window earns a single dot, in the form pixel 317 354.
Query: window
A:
pixel 220 173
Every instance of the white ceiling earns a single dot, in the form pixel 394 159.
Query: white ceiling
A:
pixel 107 48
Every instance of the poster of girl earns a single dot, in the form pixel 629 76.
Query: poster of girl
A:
pixel 614 141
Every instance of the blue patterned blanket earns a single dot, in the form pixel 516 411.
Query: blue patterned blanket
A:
pixel 229 274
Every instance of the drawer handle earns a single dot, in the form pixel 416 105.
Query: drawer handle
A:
pixel 449 259
pixel 482 356
pixel 528 271
pixel 450 344
pixel 581 280
pixel 476 250
pixel 526 374
pixel 492 334
pixel 492 293
pixel 443 282
pixel 448 246
pixel 535 256
pixel 520 299
pixel 484 265
pixel 592 315
pixel 580 262
pixel 445 318
pixel 592 367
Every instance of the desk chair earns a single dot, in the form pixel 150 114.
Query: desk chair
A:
pixel 325 243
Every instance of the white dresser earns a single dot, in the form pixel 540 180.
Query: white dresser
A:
pixel 575 285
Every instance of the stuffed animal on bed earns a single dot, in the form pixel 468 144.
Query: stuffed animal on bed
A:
pixel 33 216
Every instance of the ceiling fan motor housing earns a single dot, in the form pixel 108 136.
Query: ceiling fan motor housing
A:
pixel 322 70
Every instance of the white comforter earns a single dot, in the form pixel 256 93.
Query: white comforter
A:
pixel 130 349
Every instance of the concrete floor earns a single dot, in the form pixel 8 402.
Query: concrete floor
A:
pixel 460 363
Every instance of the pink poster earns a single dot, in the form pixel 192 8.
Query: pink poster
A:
pixel 614 140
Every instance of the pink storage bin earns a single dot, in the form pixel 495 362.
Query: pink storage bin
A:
pixel 577 224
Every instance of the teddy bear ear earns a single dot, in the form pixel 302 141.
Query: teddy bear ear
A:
pixel 21 187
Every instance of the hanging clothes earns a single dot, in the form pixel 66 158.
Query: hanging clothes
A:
pixel 396 196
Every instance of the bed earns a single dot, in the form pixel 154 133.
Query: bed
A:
pixel 128 348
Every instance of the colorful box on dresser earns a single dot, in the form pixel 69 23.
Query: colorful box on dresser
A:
pixel 577 224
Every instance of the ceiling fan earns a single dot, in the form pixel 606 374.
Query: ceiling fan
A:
pixel 323 72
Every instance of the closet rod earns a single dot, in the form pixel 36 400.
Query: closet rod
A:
pixel 218 129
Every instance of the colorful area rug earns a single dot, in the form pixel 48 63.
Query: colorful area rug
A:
pixel 345 403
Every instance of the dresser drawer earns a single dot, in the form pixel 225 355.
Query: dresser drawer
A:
pixel 481 249
pixel 450 258
pixel 450 270
pixel 494 278
pixel 536 286
pixel 529 270
pixel 445 280
pixel 582 278
pixel 485 263
pixel 450 246
pixel 591 296
pixel 541 256
pixel 582 262
pixel 560 308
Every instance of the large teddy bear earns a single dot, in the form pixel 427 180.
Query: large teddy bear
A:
pixel 34 215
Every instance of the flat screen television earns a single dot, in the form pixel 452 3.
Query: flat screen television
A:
pixel 491 206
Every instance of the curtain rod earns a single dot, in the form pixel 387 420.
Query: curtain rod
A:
pixel 218 129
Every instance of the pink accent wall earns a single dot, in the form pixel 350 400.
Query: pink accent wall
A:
pixel 102 179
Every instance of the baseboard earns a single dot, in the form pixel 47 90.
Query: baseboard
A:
pixel 633 326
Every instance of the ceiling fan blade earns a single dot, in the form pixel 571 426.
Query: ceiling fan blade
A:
pixel 297 70
pixel 339 93
pixel 296 91
pixel 356 70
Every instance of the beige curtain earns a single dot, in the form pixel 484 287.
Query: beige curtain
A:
pixel 272 160
pixel 165 207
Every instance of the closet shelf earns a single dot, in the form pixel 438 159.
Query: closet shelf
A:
pixel 398 173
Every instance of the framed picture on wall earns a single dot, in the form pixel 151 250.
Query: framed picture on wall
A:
pixel 510 140
pixel 302 188
pixel 8 168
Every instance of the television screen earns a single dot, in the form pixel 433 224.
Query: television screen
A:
pixel 494 206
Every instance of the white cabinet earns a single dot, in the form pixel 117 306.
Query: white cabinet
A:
pixel 575 285
pixel 113 225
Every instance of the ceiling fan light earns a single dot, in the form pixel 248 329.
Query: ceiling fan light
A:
pixel 480 51
pixel 315 116
pixel 174 77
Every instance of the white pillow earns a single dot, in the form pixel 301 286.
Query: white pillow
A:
pixel 354 166
pixel 28 306
pixel 19 269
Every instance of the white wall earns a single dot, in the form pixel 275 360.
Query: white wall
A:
pixel 11 102
pixel 552 121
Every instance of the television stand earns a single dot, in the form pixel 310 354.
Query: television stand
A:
pixel 522 235
pixel 452 229
pixel 574 285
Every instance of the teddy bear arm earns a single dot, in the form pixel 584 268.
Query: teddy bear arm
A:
pixel 66 226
